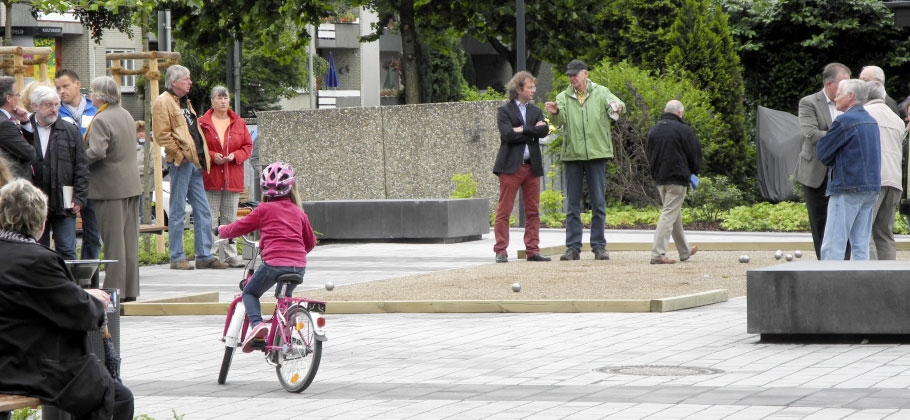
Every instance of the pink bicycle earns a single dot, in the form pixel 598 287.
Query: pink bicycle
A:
pixel 296 332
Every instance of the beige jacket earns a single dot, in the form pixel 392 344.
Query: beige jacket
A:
pixel 173 134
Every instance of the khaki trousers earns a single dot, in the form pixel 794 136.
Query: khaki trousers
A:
pixel 670 223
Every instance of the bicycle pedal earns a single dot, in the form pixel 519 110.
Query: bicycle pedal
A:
pixel 258 344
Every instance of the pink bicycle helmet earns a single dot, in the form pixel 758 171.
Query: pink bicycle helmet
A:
pixel 277 180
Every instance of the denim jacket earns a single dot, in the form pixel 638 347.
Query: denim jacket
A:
pixel 852 151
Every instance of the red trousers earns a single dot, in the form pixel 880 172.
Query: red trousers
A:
pixel 530 192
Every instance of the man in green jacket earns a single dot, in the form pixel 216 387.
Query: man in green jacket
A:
pixel 584 110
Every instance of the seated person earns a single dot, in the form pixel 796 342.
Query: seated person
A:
pixel 45 319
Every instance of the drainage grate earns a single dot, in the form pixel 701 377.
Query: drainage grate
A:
pixel 657 370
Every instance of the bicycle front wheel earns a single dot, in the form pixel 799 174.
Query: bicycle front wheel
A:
pixel 297 358
pixel 225 364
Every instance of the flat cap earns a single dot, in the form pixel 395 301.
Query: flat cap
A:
pixel 575 66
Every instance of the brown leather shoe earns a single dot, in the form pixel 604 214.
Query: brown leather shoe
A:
pixel 212 263
pixel 182 265
pixel 663 260
pixel 692 252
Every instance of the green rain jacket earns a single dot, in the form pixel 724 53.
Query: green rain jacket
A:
pixel 586 132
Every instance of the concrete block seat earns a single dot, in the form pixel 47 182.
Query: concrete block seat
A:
pixel 829 299
pixel 423 220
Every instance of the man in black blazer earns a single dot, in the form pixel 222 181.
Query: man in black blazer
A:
pixel 519 165
pixel 13 145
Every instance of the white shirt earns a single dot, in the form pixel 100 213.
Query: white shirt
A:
pixel 523 109
pixel 44 135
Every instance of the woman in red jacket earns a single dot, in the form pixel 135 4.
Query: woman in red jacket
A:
pixel 230 145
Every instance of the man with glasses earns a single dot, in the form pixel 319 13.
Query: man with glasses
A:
pixel 13 145
pixel 852 151
pixel 61 166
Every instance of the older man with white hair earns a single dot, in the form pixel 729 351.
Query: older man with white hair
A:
pixel 892 132
pixel 852 152
pixel 875 73
pixel 60 166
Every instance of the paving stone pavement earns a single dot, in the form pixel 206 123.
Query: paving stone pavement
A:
pixel 509 366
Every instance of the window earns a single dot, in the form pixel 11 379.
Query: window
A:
pixel 128 83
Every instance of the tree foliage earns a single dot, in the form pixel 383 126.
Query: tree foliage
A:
pixel 785 44
pixel 701 50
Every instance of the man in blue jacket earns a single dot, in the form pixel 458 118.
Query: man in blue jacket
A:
pixel 852 151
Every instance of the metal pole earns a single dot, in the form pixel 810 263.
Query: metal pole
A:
pixel 311 82
pixel 164 30
pixel 238 60
pixel 520 65
pixel 520 48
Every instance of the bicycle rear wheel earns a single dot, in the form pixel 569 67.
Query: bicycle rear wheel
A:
pixel 225 364
pixel 298 359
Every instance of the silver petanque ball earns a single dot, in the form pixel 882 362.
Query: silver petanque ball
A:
pixel 329 286
pixel 778 254
pixel 798 254
pixel 745 259
pixel 788 257
pixel 707 276
pixel 516 287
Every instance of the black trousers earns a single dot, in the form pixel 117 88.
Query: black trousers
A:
pixel 817 207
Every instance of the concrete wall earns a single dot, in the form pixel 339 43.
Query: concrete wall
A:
pixel 392 152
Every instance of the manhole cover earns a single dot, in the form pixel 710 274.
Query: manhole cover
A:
pixel 656 370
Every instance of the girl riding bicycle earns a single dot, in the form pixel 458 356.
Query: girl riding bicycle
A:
pixel 286 237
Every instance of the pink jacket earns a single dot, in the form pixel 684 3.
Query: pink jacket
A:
pixel 228 176
pixel 285 232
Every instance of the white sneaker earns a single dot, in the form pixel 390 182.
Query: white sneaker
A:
pixel 259 332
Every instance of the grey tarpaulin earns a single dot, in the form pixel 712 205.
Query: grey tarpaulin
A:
pixel 779 143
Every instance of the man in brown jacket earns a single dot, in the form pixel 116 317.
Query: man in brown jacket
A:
pixel 176 129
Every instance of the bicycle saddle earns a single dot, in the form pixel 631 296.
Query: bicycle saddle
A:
pixel 290 278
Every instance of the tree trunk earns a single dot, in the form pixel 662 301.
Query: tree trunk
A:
pixel 410 54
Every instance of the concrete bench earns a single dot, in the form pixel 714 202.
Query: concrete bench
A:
pixel 829 298
pixel 13 402
pixel 430 220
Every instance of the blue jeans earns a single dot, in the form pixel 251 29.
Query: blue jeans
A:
pixel 64 228
pixel 91 234
pixel 262 280
pixel 186 186
pixel 595 173
pixel 849 218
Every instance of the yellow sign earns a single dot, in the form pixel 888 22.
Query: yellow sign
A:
pixel 52 60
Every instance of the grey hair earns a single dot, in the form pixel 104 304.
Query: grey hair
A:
pixel 174 73
pixel 42 94
pixel 218 91
pixel 23 208
pixel 877 72
pixel 6 88
pixel 106 90
pixel 674 107
pixel 857 88
pixel 875 89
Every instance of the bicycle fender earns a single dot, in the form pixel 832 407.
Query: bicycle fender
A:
pixel 318 332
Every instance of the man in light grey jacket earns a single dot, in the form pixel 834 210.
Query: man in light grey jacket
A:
pixel 892 131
